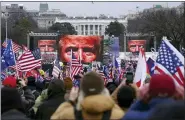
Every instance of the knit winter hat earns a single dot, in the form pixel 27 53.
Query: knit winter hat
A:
pixel 161 84
pixel 10 81
pixel 92 84
pixel 68 83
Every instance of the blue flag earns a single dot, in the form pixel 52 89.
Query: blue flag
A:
pixel 8 57
pixel 3 76
pixel 151 65
pixel 116 64
pixel 2 50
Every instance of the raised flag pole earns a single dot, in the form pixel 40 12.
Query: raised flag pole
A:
pixel 71 63
pixel 17 75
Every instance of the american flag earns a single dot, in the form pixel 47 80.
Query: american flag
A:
pixel 29 61
pixel 56 68
pixel 170 61
pixel 75 66
pixel 37 54
pixel 16 47
pixel 3 76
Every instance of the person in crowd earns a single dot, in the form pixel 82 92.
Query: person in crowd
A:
pixel 94 102
pixel 174 111
pixel 126 96
pixel 68 86
pixel 27 97
pixel 56 92
pixel 11 104
pixel 111 86
pixel 32 86
pixel 40 99
pixel 161 89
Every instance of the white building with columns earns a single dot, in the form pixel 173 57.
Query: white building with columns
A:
pixel 91 26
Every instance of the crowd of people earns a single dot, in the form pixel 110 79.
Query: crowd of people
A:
pixel 89 98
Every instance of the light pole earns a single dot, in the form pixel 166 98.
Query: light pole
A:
pixel 6 25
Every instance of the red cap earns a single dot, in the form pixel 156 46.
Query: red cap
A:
pixel 10 81
pixel 161 84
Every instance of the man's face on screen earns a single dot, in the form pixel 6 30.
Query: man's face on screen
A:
pixel 83 49
pixel 46 45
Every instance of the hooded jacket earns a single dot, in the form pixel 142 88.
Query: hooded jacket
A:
pixel 92 107
pixel 56 94
pixel 141 111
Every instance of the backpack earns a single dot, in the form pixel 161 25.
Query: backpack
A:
pixel 78 114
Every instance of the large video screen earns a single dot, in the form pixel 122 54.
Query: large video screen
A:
pixel 48 50
pixel 84 48
pixel 134 45
pixel 47 45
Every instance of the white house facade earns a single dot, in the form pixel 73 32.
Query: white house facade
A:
pixel 86 26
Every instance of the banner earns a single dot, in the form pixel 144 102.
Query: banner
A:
pixel 135 45
pixel 115 46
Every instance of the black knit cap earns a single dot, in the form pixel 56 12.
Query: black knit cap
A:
pixel 92 84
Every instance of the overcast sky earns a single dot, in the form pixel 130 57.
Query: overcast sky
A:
pixel 96 8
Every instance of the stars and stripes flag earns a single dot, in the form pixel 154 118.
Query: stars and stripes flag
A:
pixel 56 69
pixel 75 66
pixel 3 75
pixel 170 61
pixel 29 60
pixel 16 47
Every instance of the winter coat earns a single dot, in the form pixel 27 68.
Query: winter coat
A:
pixel 28 98
pixel 56 94
pixel 13 115
pixel 93 107
pixel 142 111
pixel 40 100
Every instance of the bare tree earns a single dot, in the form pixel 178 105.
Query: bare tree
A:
pixel 164 22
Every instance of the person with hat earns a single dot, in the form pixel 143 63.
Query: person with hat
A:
pixel 55 96
pixel 92 101
pixel 161 89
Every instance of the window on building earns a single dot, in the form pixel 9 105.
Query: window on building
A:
pixel 49 22
pixel 96 27
pixel 91 27
pixel 82 27
pixel 86 27
pixel 82 33
pixel 96 32
pixel 100 27
pixel 76 27
pixel 91 33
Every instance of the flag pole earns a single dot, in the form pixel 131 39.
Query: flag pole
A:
pixel 17 75
pixel 71 63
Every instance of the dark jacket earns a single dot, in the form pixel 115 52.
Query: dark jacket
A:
pixel 142 111
pixel 13 115
pixel 28 99
pixel 11 104
pixel 56 94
